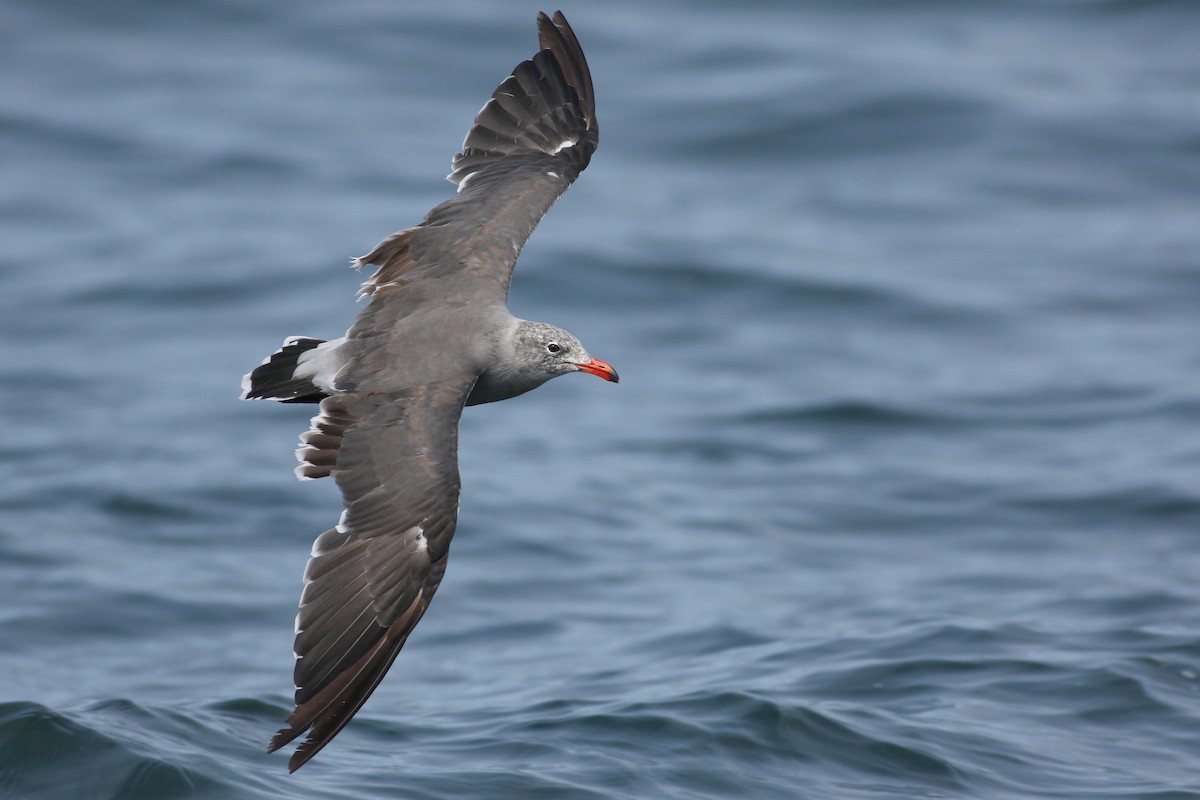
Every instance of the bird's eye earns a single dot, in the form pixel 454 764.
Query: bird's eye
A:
pixel 554 347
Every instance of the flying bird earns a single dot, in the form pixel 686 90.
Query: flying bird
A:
pixel 435 336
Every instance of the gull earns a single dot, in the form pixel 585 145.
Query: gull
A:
pixel 435 336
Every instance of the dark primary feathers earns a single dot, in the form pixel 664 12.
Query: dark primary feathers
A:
pixel 528 144
pixel 547 100
pixel 372 576
pixel 388 432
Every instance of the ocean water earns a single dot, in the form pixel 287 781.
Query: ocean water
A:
pixel 899 495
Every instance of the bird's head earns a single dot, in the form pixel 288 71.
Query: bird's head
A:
pixel 552 352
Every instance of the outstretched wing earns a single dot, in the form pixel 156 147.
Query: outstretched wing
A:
pixel 371 577
pixel 529 142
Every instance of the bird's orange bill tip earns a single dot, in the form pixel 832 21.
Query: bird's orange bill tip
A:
pixel 601 370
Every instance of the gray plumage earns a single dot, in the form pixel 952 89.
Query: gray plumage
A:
pixel 435 336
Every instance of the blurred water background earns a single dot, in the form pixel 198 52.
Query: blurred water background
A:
pixel 898 496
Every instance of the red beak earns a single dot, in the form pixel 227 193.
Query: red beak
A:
pixel 601 370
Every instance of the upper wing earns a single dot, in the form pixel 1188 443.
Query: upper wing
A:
pixel 529 142
pixel 371 577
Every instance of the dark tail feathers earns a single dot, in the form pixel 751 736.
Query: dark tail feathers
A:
pixel 275 379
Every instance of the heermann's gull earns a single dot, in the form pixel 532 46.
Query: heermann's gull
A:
pixel 436 335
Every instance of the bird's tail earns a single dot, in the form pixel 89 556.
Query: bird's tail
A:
pixel 276 378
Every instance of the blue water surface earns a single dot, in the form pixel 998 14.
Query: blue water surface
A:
pixel 899 495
